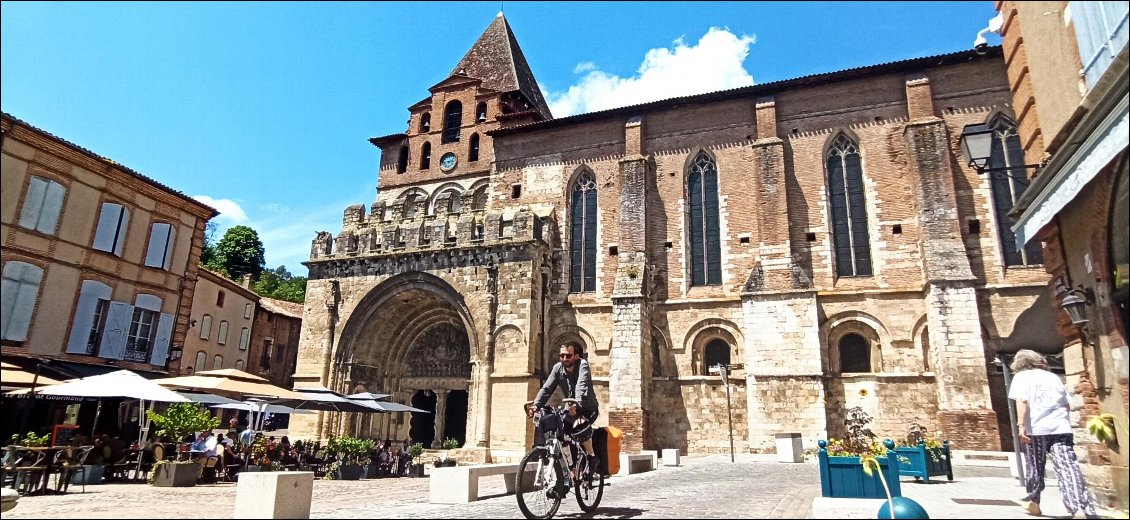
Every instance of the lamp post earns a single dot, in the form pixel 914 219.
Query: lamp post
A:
pixel 977 150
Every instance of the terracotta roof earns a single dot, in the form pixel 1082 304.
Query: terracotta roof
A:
pixel 497 60
pixel 294 310
pixel 993 53
pixel 112 163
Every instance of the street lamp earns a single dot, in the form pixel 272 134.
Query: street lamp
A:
pixel 1075 303
pixel 977 149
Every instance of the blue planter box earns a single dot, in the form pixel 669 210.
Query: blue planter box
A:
pixel 923 463
pixel 843 477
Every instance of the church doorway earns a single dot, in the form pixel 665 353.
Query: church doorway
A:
pixel 422 429
pixel 455 418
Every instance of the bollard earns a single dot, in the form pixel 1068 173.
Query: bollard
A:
pixel 274 494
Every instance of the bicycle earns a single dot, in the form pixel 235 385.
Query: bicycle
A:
pixel 548 471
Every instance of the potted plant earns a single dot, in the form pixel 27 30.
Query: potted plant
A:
pixel 842 472
pixel 179 421
pixel 349 451
pixel 416 469
pixel 924 455
pixel 444 459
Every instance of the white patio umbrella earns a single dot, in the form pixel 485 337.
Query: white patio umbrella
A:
pixel 121 383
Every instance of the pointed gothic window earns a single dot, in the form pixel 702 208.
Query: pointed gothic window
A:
pixel 473 151
pixel 1007 185
pixel 706 246
pixel 426 156
pixel 452 120
pixel 582 246
pixel 402 160
pixel 849 209
pixel 426 122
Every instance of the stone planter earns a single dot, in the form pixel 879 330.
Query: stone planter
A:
pixel 449 463
pixel 349 472
pixel 416 470
pixel 926 462
pixel 89 476
pixel 843 477
pixel 172 474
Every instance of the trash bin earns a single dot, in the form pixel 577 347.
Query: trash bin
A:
pixel 789 447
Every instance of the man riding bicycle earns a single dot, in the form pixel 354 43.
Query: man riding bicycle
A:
pixel 572 374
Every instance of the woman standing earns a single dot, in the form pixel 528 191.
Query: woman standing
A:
pixel 1044 429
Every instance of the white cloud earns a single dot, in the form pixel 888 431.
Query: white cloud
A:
pixel 715 63
pixel 231 214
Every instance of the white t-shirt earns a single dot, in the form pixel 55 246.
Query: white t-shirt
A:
pixel 1047 401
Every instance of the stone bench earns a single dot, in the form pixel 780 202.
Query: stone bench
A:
pixel 639 463
pixel 460 484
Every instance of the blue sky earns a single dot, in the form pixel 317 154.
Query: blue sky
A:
pixel 264 109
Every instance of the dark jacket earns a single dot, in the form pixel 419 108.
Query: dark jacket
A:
pixel 577 385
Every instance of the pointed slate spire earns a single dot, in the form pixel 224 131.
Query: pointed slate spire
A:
pixel 497 60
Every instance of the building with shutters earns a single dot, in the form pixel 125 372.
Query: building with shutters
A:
pixel 99 261
pixel 219 328
pixel 821 233
pixel 1067 64
pixel 274 341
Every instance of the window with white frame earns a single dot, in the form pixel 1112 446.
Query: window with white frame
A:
pixel 89 320
pixel 113 222
pixel 222 334
pixel 42 204
pixel 18 295
pixel 1101 31
pixel 142 331
pixel 162 235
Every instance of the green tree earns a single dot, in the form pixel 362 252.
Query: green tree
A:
pixel 238 253
pixel 208 254
pixel 182 419
pixel 279 284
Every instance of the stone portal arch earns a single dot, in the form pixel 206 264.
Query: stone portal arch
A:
pixel 413 337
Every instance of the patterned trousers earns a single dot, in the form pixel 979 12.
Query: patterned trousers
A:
pixel 1071 485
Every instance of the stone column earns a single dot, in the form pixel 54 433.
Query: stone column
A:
pixel 957 352
pixel 630 371
pixel 481 400
pixel 441 409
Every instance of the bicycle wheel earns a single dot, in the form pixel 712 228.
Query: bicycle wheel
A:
pixel 536 485
pixel 589 488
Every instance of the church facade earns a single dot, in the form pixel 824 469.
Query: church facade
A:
pixel 820 236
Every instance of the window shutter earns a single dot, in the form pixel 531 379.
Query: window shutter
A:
pixel 710 215
pixel 170 242
pixel 244 336
pixel 164 335
pixel 52 206
pixel 20 290
pixel 205 326
pixel 222 334
pixel 857 204
pixel 113 344
pixel 83 321
pixel 123 227
pixel 107 230
pixel 33 203
pixel 694 191
pixel 590 240
pixel 1000 186
pixel 158 242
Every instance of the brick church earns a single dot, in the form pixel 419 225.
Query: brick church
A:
pixel 820 235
